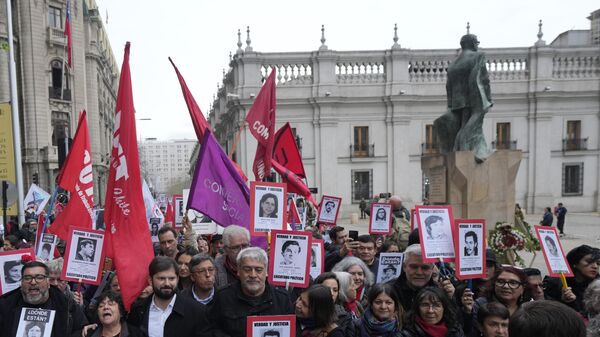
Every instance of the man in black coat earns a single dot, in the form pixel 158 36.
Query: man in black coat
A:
pixel 164 313
pixel 250 296
pixel 36 292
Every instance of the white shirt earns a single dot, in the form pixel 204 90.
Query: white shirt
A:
pixel 206 300
pixel 157 318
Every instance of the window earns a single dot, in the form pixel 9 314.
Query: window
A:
pixel 361 141
pixel 573 141
pixel 572 180
pixel 362 185
pixel 55 17
pixel 503 136
pixel 59 81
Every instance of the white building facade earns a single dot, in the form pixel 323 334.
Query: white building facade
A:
pixel 364 118
pixel 166 164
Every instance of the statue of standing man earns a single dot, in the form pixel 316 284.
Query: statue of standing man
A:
pixel 469 99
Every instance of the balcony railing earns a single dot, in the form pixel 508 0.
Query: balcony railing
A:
pixel 362 150
pixel 429 148
pixel 504 144
pixel 55 93
pixel 575 144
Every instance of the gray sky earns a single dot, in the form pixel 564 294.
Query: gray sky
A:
pixel 199 35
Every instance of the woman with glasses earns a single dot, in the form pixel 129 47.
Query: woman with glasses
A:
pixel 508 287
pixel 585 263
pixel 111 319
pixel 383 318
pixel 432 314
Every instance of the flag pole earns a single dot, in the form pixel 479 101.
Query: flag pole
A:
pixel 237 139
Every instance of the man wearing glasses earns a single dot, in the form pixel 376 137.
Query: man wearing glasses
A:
pixel 203 271
pixel 235 238
pixel 35 292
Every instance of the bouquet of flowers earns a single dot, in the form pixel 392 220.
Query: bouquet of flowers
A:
pixel 506 240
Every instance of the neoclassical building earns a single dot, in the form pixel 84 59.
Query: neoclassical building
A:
pixel 51 94
pixel 363 119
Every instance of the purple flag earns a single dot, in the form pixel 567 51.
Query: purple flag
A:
pixel 218 190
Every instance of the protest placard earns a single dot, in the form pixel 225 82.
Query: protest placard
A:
pixel 84 256
pixel 10 268
pixel 267 207
pixel 317 258
pixel 469 237
pixel 435 232
pixel 380 221
pixel 390 266
pixel 35 322
pixel 289 258
pixel 178 209
pixel 271 326
pixel 329 209
pixel 45 248
pixel 554 255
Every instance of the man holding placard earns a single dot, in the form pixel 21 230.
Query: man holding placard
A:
pixel 35 292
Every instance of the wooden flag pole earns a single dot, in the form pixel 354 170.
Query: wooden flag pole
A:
pixel 237 139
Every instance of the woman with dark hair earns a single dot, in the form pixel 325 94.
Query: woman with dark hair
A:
pixel 268 206
pixel 12 271
pixel 315 313
pixel 111 315
pixel 383 318
pixel 34 329
pixel 390 246
pixel 183 258
pixel 344 319
pixel 432 314
pixel 585 263
pixel 492 320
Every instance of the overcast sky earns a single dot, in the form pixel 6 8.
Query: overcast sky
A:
pixel 199 35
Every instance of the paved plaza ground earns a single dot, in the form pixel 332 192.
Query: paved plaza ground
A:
pixel 580 228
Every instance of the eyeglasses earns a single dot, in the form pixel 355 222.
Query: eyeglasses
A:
pixel 431 306
pixel 512 284
pixel 37 278
pixel 204 271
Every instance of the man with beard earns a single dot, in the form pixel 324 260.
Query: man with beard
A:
pixel 202 272
pixel 164 314
pixel 250 296
pixel 36 292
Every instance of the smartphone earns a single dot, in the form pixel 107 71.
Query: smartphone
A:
pixel 353 235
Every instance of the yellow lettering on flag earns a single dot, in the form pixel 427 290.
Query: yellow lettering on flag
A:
pixel 7 155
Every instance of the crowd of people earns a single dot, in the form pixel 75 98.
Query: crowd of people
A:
pixel 208 286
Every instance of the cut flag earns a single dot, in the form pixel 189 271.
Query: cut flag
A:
pixel 128 241
pixel 261 119
pixel 170 214
pixel 294 217
pixel 286 153
pixel 68 33
pixel 76 176
pixel 294 183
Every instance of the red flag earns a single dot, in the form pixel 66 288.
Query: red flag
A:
pixel 170 216
pixel 198 119
pixel 294 183
pixel 77 177
pixel 68 32
pixel 294 217
pixel 261 119
pixel 127 239
pixel 285 151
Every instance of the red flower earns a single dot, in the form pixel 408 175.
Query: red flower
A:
pixel 26 258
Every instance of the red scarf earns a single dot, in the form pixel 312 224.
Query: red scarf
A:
pixel 231 266
pixel 352 307
pixel 433 330
pixel 359 292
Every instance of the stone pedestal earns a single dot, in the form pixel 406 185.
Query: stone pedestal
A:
pixel 475 191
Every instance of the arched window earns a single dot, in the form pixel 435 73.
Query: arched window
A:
pixel 59 81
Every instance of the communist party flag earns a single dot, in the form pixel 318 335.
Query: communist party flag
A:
pixel 127 239
pixel 285 151
pixel 261 119
pixel 76 177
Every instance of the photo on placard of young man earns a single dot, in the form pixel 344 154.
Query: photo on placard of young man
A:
pixel 380 221
pixel 267 207
pixel 329 209
pixel 390 266
pixel 435 231
pixel 469 237
pixel 289 258
pixel 84 256
pixel 271 326
pixel 45 248
pixel 317 258
pixel 554 254
pixel 10 268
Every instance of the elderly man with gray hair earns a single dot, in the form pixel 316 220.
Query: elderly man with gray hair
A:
pixel 235 238
pixel 250 296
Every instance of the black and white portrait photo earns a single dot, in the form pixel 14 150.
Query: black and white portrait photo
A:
pixel 84 256
pixel 390 266
pixel 553 252
pixel 471 245
pixel 551 245
pixel 290 251
pixel 85 249
pixel 380 221
pixel 35 322
pixel 329 208
pixel 10 268
pixel 289 258
pixel 267 207
pixel 470 248
pixel 45 248
pixel 435 228
pixel 435 232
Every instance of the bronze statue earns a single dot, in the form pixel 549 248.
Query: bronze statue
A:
pixel 469 99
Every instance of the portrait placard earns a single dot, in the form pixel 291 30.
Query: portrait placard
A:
pixel 267 207
pixel 45 248
pixel 329 209
pixel 35 200
pixel 317 258
pixel 271 326
pixel 36 322
pixel 554 255
pixel 154 225
pixel 289 258
pixel 390 266
pixel 84 256
pixel 178 209
pixel 380 221
pixel 469 235
pixel 413 220
pixel 10 268
pixel 435 232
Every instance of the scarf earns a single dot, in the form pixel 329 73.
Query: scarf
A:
pixel 359 292
pixel 231 266
pixel 352 307
pixel 370 326
pixel 433 330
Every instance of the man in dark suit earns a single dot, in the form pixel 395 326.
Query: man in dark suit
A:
pixel 164 313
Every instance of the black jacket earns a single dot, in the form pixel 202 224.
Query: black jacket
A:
pixel 414 330
pixel 68 320
pixel 189 293
pixel 188 318
pixel 127 330
pixel 405 293
pixel 231 307
pixel 554 291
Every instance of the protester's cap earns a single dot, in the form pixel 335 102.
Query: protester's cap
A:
pixel 413 237
pixel 490 256
pixel 216 237
pixel 389 267
pixel 532 272
pixel 577 253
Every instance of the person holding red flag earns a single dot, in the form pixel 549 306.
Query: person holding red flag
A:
pixel 77 178
pixel 261 119
pixel 127 239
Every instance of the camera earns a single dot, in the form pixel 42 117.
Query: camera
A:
pixel 385 195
